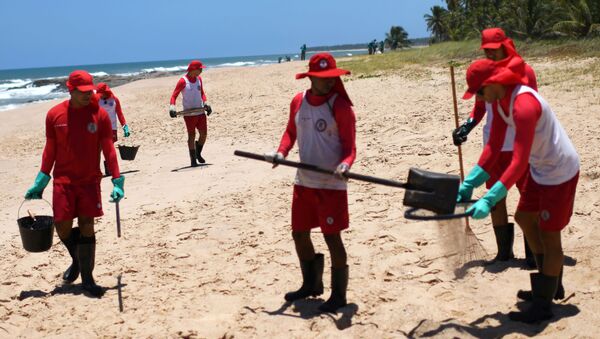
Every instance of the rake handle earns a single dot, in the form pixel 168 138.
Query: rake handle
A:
pixel 118 219
pixel 349 175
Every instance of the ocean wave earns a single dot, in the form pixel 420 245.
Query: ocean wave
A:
pixel 237 64
pixel 27 92
pixel 99 74
pixel 164 69
pixel 14 83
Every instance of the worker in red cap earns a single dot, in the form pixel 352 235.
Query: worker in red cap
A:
pixel 76 130
pixel 540 144
pixel 192 89
pixel 112 106
pixel 499 48
pixel 322 121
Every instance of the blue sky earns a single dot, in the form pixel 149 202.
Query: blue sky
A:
pixel 39 33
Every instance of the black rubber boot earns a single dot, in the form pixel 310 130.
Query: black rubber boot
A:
pixel 199 152
pixel 312 279
pixel 106 170
pixel 560 290
pixel 72 272
pixel 193 162
pixel 543 288
pixel 505 236
pixel 339 285
pixel 86 251
pixel 529 258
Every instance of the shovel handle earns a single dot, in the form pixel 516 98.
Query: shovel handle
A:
pixel 190 111
pixel 349 175
pixel 118 219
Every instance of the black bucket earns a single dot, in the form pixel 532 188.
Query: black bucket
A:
pixel 128 152
pixel 36 234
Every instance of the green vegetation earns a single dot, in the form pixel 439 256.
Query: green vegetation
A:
pixel 523 19
pixel 463 52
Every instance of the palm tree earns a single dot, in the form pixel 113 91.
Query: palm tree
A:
pixel 530 18
pixel 579 21
pixel 435 22
pixel 397 37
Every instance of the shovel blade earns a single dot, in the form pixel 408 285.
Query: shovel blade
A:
pixel 432 191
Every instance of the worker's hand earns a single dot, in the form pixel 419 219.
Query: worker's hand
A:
pixel 118 191
pixel 274 157
pixel 172 111
pixel 459 135
pixel 341 171
pixel 35 191
pixel 207 109
pixel 483 206
pixel 126 132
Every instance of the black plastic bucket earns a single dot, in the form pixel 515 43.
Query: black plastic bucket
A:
pixel 36 234
pixel 128 152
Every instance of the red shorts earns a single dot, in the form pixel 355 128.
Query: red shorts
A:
pixel 195 122
pixel 500 167
pixel 114 135
pixel 553 202
pixel 312 207
pixel 71 201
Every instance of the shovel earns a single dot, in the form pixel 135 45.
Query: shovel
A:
pixel 432 191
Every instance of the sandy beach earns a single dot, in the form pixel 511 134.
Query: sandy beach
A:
pixel 207 252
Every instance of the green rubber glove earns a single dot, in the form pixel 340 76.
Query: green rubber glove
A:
pixel 41 181
pixel 126 132
pixel 118 192
pixel 483 206
pixel 476 178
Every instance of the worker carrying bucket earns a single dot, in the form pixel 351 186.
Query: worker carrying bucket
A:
pixel 76 130
pixel 322 121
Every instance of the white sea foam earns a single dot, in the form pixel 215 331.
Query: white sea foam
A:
pixel 99 74
pixel 13 83
pixel 237 64
pixel 164 69
pixel 27 92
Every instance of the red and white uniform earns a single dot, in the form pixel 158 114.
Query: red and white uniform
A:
pixel 112 106
pixel 540 143
pixel 192 91
pixel 74 138
pixel 325 129
pixel 479 110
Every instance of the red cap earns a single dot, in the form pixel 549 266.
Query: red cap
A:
pixel 194 65
pixel 492 38
pixel 484 72
pixel 322 65
pixel 102 88
pixel 81 81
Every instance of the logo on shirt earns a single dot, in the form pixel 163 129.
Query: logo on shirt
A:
pixel 545 215
pixel 92 127
pixel 329 220
pixel 321 125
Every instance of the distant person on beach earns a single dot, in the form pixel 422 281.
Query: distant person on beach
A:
pixel 381 46
pixel 192 89
pixel 76 131
pixel 543 150
pixel 370 48
pixel 279 60
pixel 323 122
pixel 303 52
pixel 112 106
pixel 498 47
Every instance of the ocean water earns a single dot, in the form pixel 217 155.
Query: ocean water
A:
pixel 27 85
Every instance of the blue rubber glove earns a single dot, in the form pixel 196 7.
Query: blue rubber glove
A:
pixel 483 206
pixel 41 181
pixel 476 178
pixel 118 192
pixel 126 132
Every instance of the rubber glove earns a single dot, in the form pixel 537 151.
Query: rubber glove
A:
pixel 207 109
pixel 41 181
pixel 172 111
pixel 341 170
pixel 459 135
pixel 126 132
pixel 118 191
pixel 273 157
pixel 483 206
pixel 476 178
